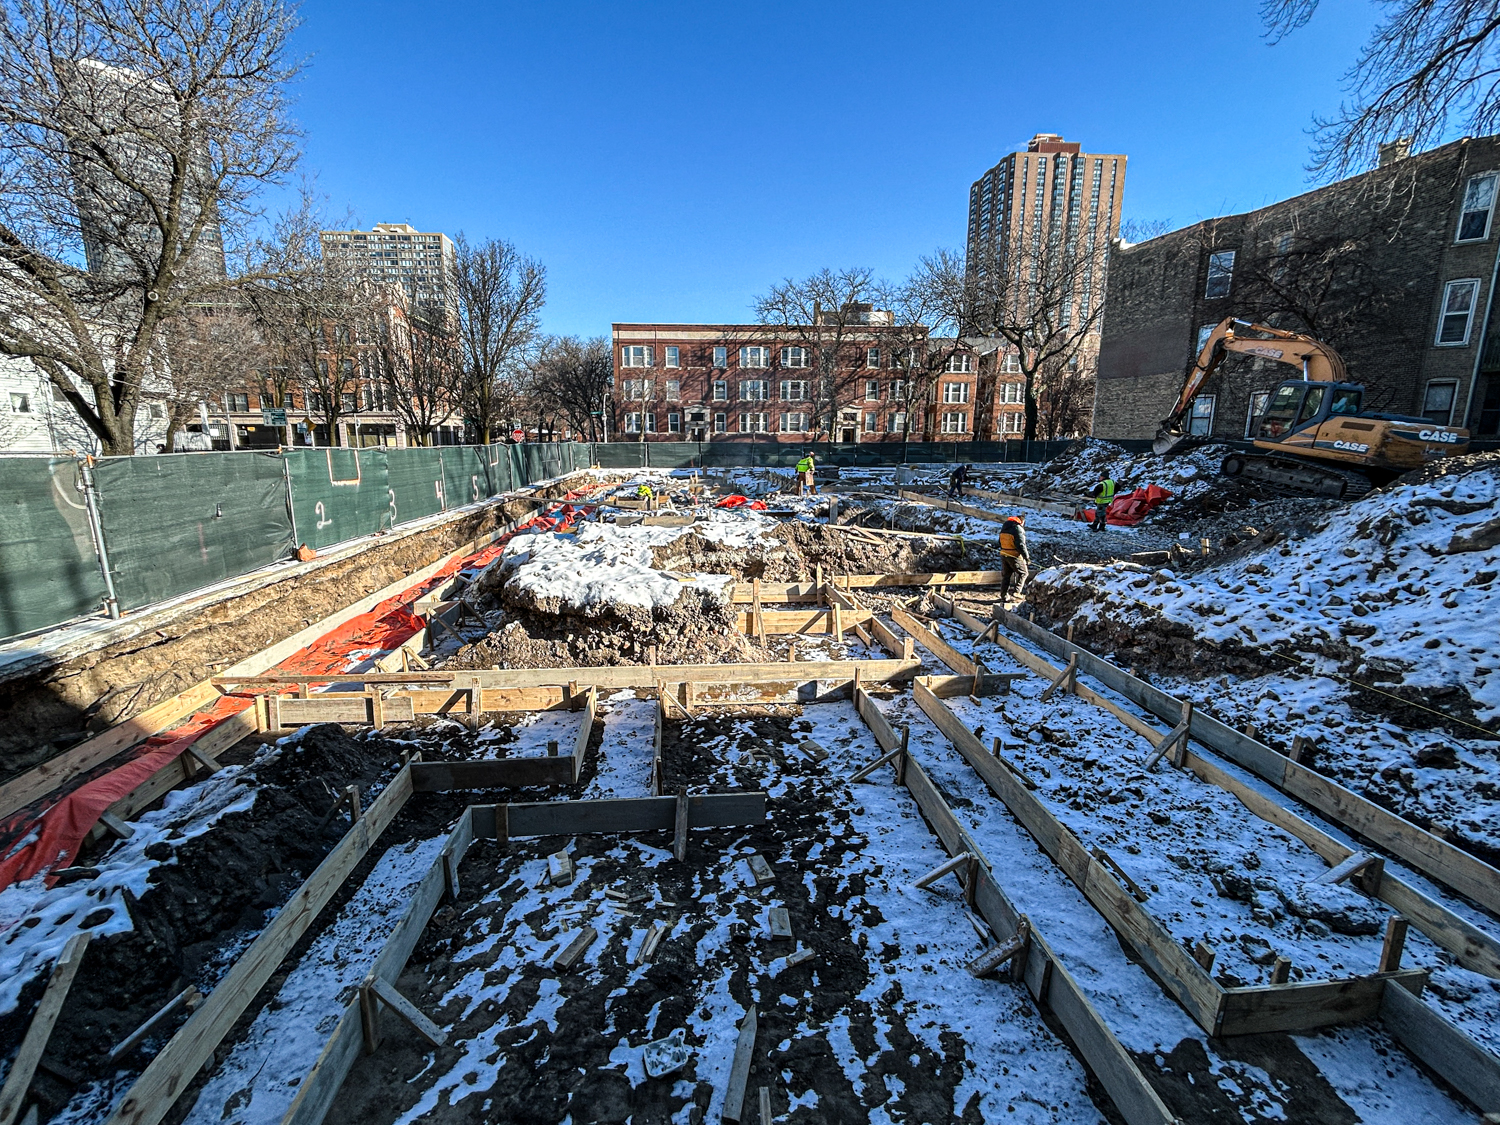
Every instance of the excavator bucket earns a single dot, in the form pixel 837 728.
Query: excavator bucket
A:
pixel 1170 441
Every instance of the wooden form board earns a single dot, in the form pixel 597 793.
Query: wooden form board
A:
pixel 933 643
pixel 625 814
pixel 1473 948
pixel 1058 506
pixel 1218 1010
pixel 1432 856
pixel 785 593
pixel 984 513
pixel 1045 976
pixel 318 1091
pixel 782 621
pixel 151 1096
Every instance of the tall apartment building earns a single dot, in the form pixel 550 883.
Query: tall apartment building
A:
pixel 397 255
pixel 1052 198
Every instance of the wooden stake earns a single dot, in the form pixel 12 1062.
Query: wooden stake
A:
pixel 1070 632
pixel 1300 746
pixel 369 1015
pixel 1395 941
pixel 997 955
pixel 1204 954
pixel 869 768
pixel 189 996
pixel 739 1070
pixel 902 758
pixel 1281 972
pixel 953 864
pixel 386 994
pixel 1067 679
pixel 351 794
pixel 765 1105
pixel 679 845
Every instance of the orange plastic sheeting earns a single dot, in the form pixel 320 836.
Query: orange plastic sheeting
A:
pixel 1130 509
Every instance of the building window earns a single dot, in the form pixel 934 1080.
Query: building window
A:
pixel 674 387
pixel 1220 273
pixel 794 423
pixel 754 390
pixel 1011 364
pixel 752 423
pixel 872 390
pixel 1479 203
pixel 958 363
pixel 155 411
pixel 638 389
pixel 20 403
pixel 721 423
pixel 793 357
pixel 1201 423
pixel 755 357
pixel 872 357
pixel 674 423
pixel 898 390
pixel 673 355
pixel 1458 312
pixel 871 421
pixel 632 423
pixel 1011 394
pixel 650 420
pixel 1012 422
pixel 955 392
pixel 721 390
pixel 635 355
pixel 316 403
pixel 1437 403
pixel 721 359
pixel 793 390
pixel 1204 332
pixel 239 403
pixel 896 423
pixel 348 404
pixel 1258 400
pixel 955 422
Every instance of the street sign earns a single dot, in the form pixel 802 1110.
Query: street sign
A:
pixel 272 417
pixel 517 434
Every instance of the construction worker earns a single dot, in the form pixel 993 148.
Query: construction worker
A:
pixel 1014 557
pixel 644 493
pixel 1104 494
pixel 958 481
pixel 805 476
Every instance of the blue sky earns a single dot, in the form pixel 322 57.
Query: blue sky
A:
pixel 668 161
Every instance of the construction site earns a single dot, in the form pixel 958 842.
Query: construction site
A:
pixel 678 795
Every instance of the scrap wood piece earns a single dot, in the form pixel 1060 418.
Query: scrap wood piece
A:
pixel 1067 679
pixel 991 959
pixel 1119 873
pixel 381 992
pixel 962 859
pixel 189 996
pixel 39 1031
pixel 866 770
pixel 761 870
pixel 575 949
pixel 765 1105
pixel 1176 740
pixel 560 869
pixel 1360 863
pixel 654 933
pixel 739 1070
pixel 795 959
pixel 779 919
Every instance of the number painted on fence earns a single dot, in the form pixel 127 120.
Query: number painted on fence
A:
pixel 437 486
pixel 474 480
pixel 391 492
pixel 323 520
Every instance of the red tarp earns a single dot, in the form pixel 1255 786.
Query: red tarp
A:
pixel 1130 509
pixel 738 501
pixel 52 839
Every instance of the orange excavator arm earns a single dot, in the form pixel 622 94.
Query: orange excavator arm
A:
pixel 1319 364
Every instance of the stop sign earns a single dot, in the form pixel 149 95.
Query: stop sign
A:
pixel 517 434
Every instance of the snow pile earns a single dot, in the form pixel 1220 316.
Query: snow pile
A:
pixel 1075 471
pixel 1398 587
pixel 559 569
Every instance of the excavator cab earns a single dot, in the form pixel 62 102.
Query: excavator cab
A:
pixel 1296 405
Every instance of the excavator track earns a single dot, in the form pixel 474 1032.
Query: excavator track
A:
pixel 1298 475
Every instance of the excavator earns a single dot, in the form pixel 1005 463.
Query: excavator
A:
pixel 1314 435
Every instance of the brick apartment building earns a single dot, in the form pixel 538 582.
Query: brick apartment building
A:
pixel 1395 268
pixel 754 382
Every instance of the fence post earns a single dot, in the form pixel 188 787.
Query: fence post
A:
pixel 291 506
pixel 96 531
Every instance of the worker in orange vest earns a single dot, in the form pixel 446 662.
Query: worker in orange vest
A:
pixel 1014 557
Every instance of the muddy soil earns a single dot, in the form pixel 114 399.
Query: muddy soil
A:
pixel 60 706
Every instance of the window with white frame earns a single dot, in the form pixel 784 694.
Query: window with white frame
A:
pixel 1258 400
pixel 872 357
pixel 955 392
pixel 1437 402
pixel 20 403
pixel 895 423
pixel 793 357
pixel 955 422
pixel 632 423
pixel 721 390
pixel 1204 331
pixel 961 362
pixel 793 423
pixel 1479 204
pixel 872 421
pixel 240 403
pixel 793 390
pixel 673 356
pixel 1220 274
pixel 721 358
pixel 872 390
pixel 752 423
pixel 1012 422
pixel 635 355
pixel 674 423
pixel 1011 364
pixel 1458 312
pixel 1010 394
pixel 650 420
pixel 754 390
pixel 674 388
pixel 156 411
pixel 755 356
pixel 721 422
pixel 1201 421
pixel 898 390
pixel 637 390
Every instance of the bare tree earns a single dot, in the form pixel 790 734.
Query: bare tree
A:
pixel 1143 230
pixel 570 377
pixel 133 137
pixel 1065 402
pixel 204 353
pixel 1431 68
pixel 419 363
pixel 830 314
pixel 500 297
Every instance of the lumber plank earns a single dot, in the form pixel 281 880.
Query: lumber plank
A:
pixel 933 643
pixel 408 1011
pixel 152 1095
pixel 1304 1005
pixel 625 814
pixel 875 719
pixel 780 622
pixel 585 731
pixel 491 773
pixel 39 1031
pixel 1427 1034
pixel 739 1069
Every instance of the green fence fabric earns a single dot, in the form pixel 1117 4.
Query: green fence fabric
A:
pixel 180 521
pixel 778 454
pixel 337 494
pixel 48 569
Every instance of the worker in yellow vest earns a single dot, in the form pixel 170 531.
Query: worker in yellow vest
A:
pixel 643 492
pixel 1104 494
pixel 805 476
pixel 1014 557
